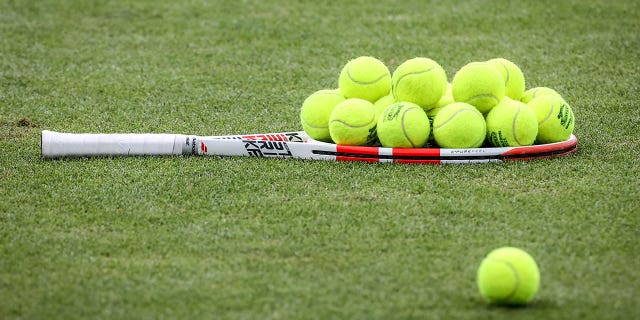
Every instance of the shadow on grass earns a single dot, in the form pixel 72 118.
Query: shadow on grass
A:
pixel 536 305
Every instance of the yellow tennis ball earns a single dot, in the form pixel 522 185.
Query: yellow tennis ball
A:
pixel 383 103
pixel 315 112
pixel 555 118
pixel 478 84
pixel 513 77
pixel 353 122
pixel 536 92
pixel 366 78
pixel 459 125
pixel 419 80
pixel 446 99
pixel 403 125
pixel 511 124
pixel 508 276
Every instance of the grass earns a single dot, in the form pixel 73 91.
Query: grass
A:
pixel 230 238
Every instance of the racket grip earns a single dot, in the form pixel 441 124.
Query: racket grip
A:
pixel 58 145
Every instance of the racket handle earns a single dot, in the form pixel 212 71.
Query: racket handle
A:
pixel 56 144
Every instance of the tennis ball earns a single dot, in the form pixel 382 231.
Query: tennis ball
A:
pixel 315 112
pixel 365 78
pixel 555 118
pixel 353 122
pixel 511 123
pixel 419 80
pixel 459 125
pixel 478 84
pixel 383 103
pixel 403 125
pixel 536 92
pixel 513 77
pixel 446 99
pixel 508 276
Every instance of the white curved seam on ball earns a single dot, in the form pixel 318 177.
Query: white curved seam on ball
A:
pixel 515 276
pixel 450 118
pixel 547 117
pixel 488 95
pixel 365 82
pixel 411 74
pixel 403 129
pixel 312 126
pixel 534 93
pixel 513 127
pixel 352 126
pixel 508 74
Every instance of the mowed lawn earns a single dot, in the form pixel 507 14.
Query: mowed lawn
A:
pixel 250 238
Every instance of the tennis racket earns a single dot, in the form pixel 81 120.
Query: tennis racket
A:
pixel 294 144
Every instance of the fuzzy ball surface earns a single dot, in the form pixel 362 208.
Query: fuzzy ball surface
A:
pixel 513 77
pixel 403 125
pixel 366 78
pixel 383 103
pixel 353 122
pixel 555 118
pixel 478 84
pixel 511 124
pixel 421 81
pixel 537 92
pixel 459 125
pixel 315 112
pixel 508 276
